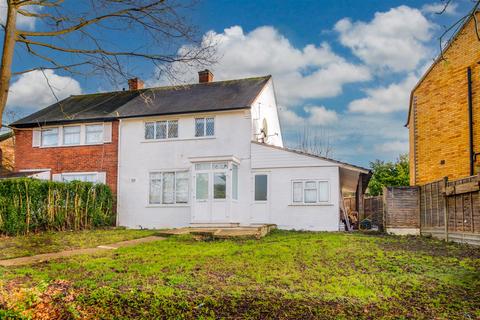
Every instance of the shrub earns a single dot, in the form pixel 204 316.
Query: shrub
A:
pixel 30 205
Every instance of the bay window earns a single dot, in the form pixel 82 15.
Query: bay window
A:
pixel 310 192
pixel 169 187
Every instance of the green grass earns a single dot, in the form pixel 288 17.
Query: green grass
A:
pixel 21 246
pixel 286 275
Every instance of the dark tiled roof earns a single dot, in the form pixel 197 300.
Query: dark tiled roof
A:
pixel 201 97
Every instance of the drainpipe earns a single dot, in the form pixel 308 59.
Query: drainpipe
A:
pixel 470 120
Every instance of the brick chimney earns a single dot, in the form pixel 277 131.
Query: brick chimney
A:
pixel 205 76
pixel 135 84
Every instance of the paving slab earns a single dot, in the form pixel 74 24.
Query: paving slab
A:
pixel 68 253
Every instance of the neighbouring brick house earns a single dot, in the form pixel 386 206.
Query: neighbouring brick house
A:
pixel 7 152
pixel 444 115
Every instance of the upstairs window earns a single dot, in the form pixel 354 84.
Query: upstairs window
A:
pixel 204 127
pixel 71 135
pixel 50 137
pixel 161 130
pixel 94 133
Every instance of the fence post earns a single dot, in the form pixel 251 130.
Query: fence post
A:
pixel 445 206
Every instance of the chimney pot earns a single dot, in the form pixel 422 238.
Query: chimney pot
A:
pixel 135 84
pixel 205 76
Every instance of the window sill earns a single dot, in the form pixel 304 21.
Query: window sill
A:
pixel 182 205
pixel 310 205
pixel 73 145
pixel 177 139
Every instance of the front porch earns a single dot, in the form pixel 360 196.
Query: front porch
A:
pixel 222 231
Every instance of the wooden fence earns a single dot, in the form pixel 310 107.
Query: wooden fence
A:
pixel 451 210
pixel 372 209
pixel 401 212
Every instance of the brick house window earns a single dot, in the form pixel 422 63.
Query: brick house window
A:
pixel 71 135
pixel 49 137
pixel 94 133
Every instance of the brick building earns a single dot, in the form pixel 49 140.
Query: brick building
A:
pixel 444 115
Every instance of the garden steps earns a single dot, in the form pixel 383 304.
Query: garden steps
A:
pixel 256 231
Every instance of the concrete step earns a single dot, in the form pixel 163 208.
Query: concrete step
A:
pixel 215 225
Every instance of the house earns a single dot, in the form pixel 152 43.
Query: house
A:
pixel 444 113
pixel 7 152
pixel 206 153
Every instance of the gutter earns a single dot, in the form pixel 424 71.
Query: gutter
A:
pixel 470 121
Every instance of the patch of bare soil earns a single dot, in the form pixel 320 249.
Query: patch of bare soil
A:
pixel 430 246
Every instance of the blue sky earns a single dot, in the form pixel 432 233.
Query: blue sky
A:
pixel 344 68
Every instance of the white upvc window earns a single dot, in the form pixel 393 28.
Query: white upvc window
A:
pixel 310 192
pixel 204 127
pixel 169 187
pixel 49 137
pixel 94 133
pixel 158 130
pixel 94 177
pixel 71 135
pixel 261 187
pixel 235 181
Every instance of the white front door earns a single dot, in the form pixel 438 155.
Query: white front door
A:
pixel 261 194
pixel 211 197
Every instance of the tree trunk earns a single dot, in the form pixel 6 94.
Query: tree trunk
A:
pixel 7 56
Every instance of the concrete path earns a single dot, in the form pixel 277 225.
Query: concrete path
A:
pixel 68 253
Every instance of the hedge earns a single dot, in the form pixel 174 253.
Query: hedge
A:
pixel 31 205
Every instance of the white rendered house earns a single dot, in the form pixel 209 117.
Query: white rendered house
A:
pixel 212 153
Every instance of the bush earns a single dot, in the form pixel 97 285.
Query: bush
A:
pixel 30 205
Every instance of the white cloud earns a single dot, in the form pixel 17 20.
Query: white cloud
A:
pixel 395 39
pixel 321 116
pixel 314 116
pixel 437 7
pixel 394 97
pixel 290 118
pixel 311 72
pixel 31 90
pixel 397 147
pixel 22 21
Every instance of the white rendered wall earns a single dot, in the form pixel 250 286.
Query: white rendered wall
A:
pixel 265 107
pixel 282 167
pixel 138 157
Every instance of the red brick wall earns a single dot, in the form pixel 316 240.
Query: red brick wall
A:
pixel 101 158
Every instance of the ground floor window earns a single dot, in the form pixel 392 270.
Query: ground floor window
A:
pixel 261 187
pixel 310 191
pixel 169 187
pixel 84 177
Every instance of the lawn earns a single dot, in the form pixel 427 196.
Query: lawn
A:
pixel 13 247
pixel 286 275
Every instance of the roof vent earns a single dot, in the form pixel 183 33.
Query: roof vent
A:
pixel 205 76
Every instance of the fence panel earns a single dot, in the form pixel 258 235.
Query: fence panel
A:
pixel 457 204
pixel 402 209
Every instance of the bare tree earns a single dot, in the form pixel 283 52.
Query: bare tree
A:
pixel 316 141
pixel 447 35
pixel 71 37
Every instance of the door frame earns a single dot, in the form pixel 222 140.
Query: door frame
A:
pixel 266 203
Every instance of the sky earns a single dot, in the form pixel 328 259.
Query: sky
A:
pixel 343 68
